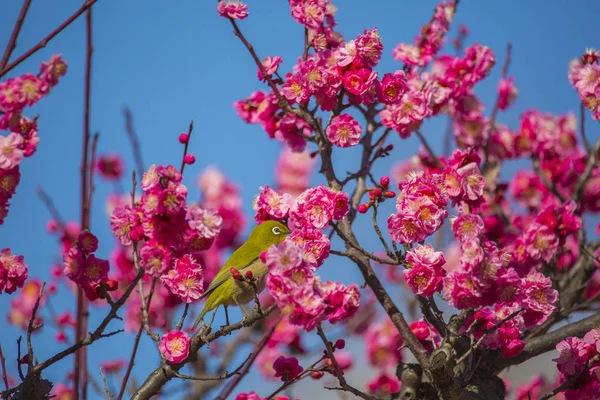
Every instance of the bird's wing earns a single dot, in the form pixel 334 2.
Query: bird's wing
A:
pixel 225 274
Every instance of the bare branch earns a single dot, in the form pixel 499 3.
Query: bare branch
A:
pixel 12 42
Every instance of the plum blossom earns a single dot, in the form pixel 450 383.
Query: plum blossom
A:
pixel 344 131
pixel 175 346
pixel 185 280
pixel 232 9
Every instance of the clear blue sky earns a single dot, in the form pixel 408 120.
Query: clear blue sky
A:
pixel 176 61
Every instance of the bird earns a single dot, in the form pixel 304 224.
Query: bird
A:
pixel 224 289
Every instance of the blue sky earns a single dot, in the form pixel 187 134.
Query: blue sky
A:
pixel 171 62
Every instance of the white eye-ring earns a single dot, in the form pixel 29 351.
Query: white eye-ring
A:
pixel 276 230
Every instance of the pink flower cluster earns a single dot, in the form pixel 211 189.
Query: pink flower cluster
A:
pixel 300 294
pixel 507 93
pixel 317 207
pixel 425 273
pixel 232 9
pixel 579 361
pixel 13 271
pixel 584 75
pixel 420 209
pixel 175 346
pixel 506 338
pixel 431 39
pixel 318 17
pixel 270 205
pixel 171 234
pixel 22 140
pixel 85 269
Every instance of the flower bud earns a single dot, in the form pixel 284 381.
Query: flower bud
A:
pixel 384 181
pixel 340 344
pixel 249 275
pixel 24 359
pixel 189 159
pixel 376 192
pixel 317 374
pixel 111 285
pixel 363 208
pixel 389 194
pixel 183 138
pixel 389 147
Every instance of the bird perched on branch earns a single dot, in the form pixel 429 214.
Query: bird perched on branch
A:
pixel 242 276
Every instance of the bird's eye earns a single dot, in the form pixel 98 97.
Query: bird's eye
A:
pixel 276 230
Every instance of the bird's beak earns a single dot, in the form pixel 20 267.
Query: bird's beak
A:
pixel 287 233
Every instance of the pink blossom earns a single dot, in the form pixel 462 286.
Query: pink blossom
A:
pixel 247 396
pixel 392 87
pixel 344 131
pixel 473 183
pixel 308 12
pixel 467 227
pixel 507 93
pixel 424 280
pixel 207 223
pixel 52 70
pixel 155 258
pixel 541 242
pixel 538 297
pixel 110 166
pixel 592 338
pixel 341 301
pixel 383 342
pixel 283 257
pixel 13 271
pixel 271 205
pixel 384 384
pixel 287 368
pixel 124 223
pixel 87 242
pixel 9 180
pixel 369 48
pixel 10 150
pixel 232 9
pixel 573 356
pixel 175 346
pixel 425 255
pixel 270 64
pixel 407 115
pixel 185 280
pixel 314 243
pixel 463 290
pixel 304 308
pixel 317 207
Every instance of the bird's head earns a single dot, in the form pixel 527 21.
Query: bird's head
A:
pixel 269 233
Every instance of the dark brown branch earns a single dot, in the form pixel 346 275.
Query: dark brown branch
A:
pixel 547 342
pixel 93 336
pixel 584 139
pixel 12 42
pixel 4 373
pixel 221 377
pixel 589 167
pixel 165 372
pixel 255 352
pixel 48 38
pixel 31 328
pixel 338 371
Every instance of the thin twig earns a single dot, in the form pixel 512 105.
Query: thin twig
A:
pixel 338 371
pixel 255 352
pixel 4 373
pixel 48 38
pixel 12 42
pixel 109 395
pixel 182 320
pixel 587 172
pixel 221 377
pixel 379 234
pixel 584 139
pixel 135 143
pixel 436 160
pixel 187 143
pixel 31 327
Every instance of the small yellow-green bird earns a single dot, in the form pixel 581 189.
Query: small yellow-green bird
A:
pixel 232 292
